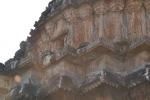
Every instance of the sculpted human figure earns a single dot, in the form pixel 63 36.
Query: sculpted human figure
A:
pixel 50 28
pixel 70 16
pixel 85 12
pixel 147 5
pixel 40 46
pixel 116 7
pixel 135 22
pixel 46 58
pixel 45 40
pixel 100 10
pixel 61 26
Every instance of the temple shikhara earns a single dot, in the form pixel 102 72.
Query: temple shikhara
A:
pixel 83 50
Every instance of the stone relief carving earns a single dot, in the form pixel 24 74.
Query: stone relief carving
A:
pixel 86 26
pixel 100 10
pixel 147 5
pixel 147 73
pixel 40 46
pixel 57 45
pixel 61 27
pixel 46 58
pixel 70 16
pixel 116 22
pixel 50 27
pixel 135 21
pixel 45 41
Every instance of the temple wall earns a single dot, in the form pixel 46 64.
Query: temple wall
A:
pixel 83 50
pixel 113 20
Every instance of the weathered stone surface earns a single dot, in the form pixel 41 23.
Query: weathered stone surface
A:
pixel 83 50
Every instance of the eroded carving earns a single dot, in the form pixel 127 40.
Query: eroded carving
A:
pixel 85 33
pixel 116 21
pixel 100 10
pixel 61 27
pixel 47 57
pixel 50 28
pixel 147 5
pixel 23 51
pixel 135 22
pixel 70 16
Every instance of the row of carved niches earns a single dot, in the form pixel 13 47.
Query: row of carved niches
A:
pixel 112 19
pixel 119 65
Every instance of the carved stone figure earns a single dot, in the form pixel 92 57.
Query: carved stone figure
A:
pixel 70 16
pixel 134 19
pixel 86 23
pixel 100 10
pixel 50 28
pixel 46 58
pixel 40 46
pixel 61 27
pixel 45 41
pixel 116 7
pixel 147 5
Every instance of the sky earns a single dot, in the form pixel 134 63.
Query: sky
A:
pixel 17 17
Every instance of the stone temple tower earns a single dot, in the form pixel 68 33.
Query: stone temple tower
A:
pixel 83 50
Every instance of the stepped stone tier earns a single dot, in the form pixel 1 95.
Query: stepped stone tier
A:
pixel 83 50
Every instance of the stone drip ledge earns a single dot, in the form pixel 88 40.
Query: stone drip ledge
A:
pixel 102 75
pixel 76 55
pixel 68 81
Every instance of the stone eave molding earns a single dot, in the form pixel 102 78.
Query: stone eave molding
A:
pixel 102 75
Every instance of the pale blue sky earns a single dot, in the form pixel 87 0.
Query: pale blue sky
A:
pixel 17 17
